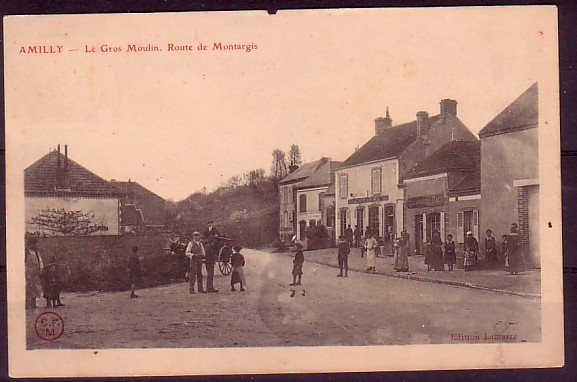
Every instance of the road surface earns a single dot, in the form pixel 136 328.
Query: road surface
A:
pixel 363 309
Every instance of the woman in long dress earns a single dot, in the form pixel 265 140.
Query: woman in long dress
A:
pixel 370 246
pixel 436 252
pixel 401 256
pixel 515 262
pixel 471 247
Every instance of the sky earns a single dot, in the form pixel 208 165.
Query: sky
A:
pixel 178 121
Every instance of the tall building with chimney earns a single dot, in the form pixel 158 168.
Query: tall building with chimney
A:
pixel 369 184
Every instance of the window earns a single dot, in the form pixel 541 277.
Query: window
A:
pixel 376 180
pixel 303 203
pixel 286 219
pixel 343 186
pixel 433 224
pixel 360 219
pixel 321 201
pixel 374 220
pixel 285 195
pixel 343 220
pixel 302 230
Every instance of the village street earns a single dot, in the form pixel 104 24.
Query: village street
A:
pixel 363 309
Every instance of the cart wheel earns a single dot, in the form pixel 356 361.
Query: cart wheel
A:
pixel 225 268
pixel 224 264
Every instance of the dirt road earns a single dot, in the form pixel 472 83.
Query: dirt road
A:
pixel 362 309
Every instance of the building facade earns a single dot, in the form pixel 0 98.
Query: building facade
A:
pixel 141 209
pixel 510 172
pixel 288 197
pixel 311 208
pixel 369 184
pixel 64 198
pixel 442 193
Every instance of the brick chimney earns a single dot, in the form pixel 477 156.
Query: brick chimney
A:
pixel 422 125
pixel 293 167
pixel 449 107
pixel 65 157
pixel 381 124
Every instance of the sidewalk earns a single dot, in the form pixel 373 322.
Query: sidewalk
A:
pixel 527 284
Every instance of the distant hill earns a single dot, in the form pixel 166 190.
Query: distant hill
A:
pixel 248 214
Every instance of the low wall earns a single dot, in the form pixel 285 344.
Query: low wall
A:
pixel 99 262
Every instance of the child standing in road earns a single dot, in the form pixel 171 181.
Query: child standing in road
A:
pixel 298 265
pixel 134 273
pixel 237 276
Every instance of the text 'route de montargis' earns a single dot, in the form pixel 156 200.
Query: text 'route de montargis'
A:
pixel 139 48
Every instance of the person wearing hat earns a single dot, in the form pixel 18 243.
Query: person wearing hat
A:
pixel 210 236
pixel 343 256
pixel 298 265
pixel 237 276
pixel 515 260
pixel 471 248
pixel 195 252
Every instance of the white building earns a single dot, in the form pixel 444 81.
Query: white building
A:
pixel 369 189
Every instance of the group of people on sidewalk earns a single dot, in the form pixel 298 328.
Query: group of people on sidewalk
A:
pixel 438 253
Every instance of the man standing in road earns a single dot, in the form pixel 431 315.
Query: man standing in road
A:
pixel 210 235
pixel 343 256
pixel 195 252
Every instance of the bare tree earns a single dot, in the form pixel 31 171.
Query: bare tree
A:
pixel 66 223
pixel 279 166
pixel 295 155
pixel 234 182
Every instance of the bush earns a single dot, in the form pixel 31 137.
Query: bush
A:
pixel 317 237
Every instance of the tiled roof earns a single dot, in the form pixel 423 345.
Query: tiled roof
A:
pixel 331 190
pixel 468 184
pixel 522 114
pixel 304 171
pixel 324 176
pixel 133 188
pixel 455 155
pixel 390 143
pixel 43 178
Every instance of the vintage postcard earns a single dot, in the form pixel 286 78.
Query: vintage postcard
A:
pixel 311 191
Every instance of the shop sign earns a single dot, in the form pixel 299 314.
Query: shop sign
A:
pixel 369 199
pixel 426 201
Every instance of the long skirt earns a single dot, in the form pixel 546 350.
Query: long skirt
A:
pixel 515 262
pixel 470 259
pixel 237 276
pixel 370 258
pixel 402 259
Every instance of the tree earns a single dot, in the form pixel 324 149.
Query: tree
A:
pixel 279 167
pixel 254 177
pixel 66 223
pixel 295 155
pixel 234 182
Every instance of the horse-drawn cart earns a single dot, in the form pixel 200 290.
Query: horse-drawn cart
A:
pixel 222 246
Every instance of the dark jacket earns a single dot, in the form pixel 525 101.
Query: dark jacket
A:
pixel 237 260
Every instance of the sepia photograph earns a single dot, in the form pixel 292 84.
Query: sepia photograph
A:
pixel 310 191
